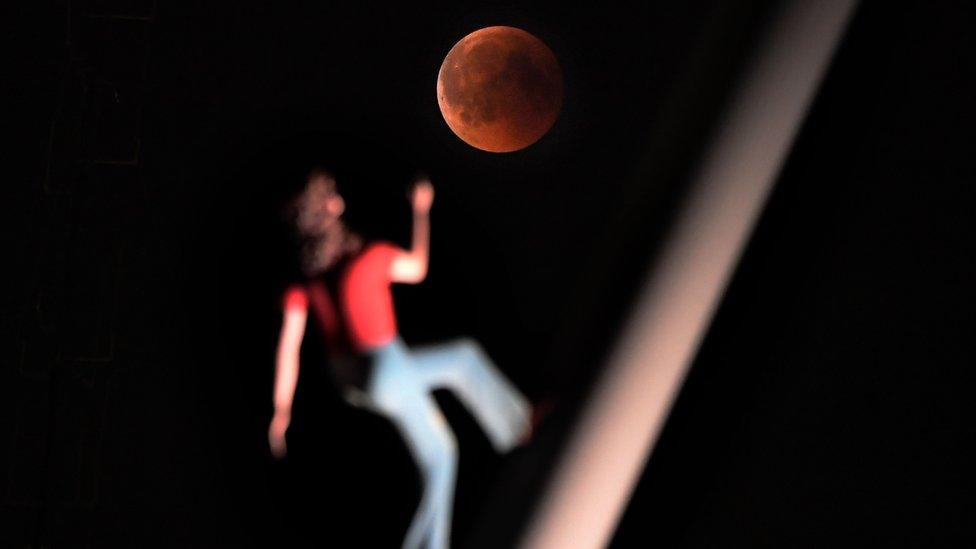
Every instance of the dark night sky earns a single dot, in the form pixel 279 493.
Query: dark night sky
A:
pixel 827 401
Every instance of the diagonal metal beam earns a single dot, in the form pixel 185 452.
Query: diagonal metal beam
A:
pixel 624 416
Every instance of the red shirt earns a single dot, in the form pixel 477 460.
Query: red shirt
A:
pixel 354 305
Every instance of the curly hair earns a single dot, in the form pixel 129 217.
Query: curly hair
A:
pixel 322 236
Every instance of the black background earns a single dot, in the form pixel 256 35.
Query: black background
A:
pixel 154 150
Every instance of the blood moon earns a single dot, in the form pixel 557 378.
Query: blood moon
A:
pixel 500 89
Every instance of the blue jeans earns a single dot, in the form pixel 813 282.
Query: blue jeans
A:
pixel 400 389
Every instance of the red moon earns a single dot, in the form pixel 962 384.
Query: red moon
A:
pixel 500 89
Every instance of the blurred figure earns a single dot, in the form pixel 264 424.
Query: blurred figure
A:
pixel 347 286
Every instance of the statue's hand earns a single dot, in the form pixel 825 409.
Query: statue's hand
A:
pixel 422 196
pixel 276 435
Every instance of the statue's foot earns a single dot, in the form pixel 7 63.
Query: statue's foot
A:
pixel 540 412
